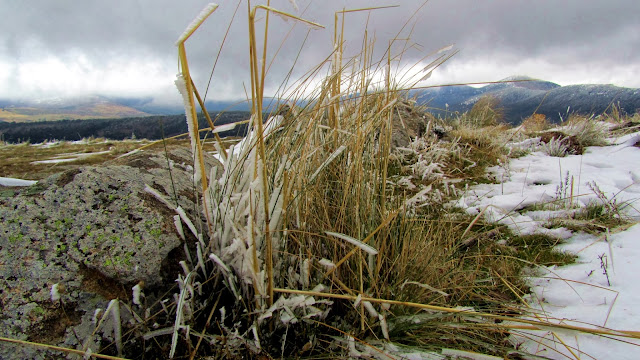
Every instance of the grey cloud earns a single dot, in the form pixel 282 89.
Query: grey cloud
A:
pixel 567 32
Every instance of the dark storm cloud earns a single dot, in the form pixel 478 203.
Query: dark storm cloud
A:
pixel 574 35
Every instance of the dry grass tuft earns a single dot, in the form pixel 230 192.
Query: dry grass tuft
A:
pixel 485 112
pixel 534 124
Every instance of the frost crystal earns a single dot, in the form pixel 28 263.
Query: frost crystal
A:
pixel 55 295
pixel 204 13
pixel 181 84
pixel 368 249
pixel 327 263
pixel 137 291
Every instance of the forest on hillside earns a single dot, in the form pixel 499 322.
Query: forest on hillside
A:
pixel 150 127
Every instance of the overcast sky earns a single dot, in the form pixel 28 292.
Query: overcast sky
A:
pixel 126 47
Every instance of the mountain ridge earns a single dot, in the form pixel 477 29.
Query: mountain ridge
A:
pixel 521 96
pixel 86 107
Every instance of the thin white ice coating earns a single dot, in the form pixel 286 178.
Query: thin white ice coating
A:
pixel 457 354
pixel 370 309
pixel 384 326
pixel 136 292
pixel 305 270
pixel 148 189
pixel 187 221
pixel 181 84
pixel 4 181
pixel 293 3
pixel 178 224
pixel 219 262
pixel 446 48
pixel 114 305
pixel 55 294
pixel 179 315
pixel 331 157
pixel 327 263
pixel 202 16
pixel 225 127
pixel 367 248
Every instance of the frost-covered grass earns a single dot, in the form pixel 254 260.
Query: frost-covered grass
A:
pixel 313 227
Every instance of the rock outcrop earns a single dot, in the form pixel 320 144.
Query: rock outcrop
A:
pixel 408 123
pixel 96 233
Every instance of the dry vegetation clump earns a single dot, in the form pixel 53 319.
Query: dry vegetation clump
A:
pixel 306 232
pixel 572 136
pixel 559 144
pixel 587 130
pixel 485 112
pixel 534 124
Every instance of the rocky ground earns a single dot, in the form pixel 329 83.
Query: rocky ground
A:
pixel 96 233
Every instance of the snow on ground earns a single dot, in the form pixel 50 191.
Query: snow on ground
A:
pixel 608 300
pixel 541 179
pixel 582 292
pixel 70 157
pixel 5 181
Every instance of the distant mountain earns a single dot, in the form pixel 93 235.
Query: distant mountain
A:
pixel 103 107
pixel 89 107
pixel 521 96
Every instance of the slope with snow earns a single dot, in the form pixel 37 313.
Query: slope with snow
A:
pixel 600 290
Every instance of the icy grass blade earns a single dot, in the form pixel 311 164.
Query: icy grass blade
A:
pixel 187 221
pixel 159 332
pixel 181 84
pixel 332 157
pixel 219 262
pixel 136 293
pixel 327 263
pixel 148 189
pixel 353 352
pixel 367 248
pixel 424 286
pixel 468 355
pixel 384 326
pixel 200 257
pixel 193 26
pixel 222 128
pixel 445 49
pixel 370 309
pixel 285 16
pixel 293 3
pixel 114 308
pixel 179 315
pixel 417 197
pixel 178 224
pixel 129 153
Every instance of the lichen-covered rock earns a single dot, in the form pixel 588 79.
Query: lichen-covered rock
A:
pixel 96 232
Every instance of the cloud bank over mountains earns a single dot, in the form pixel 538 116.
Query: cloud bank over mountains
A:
pixel 126 48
